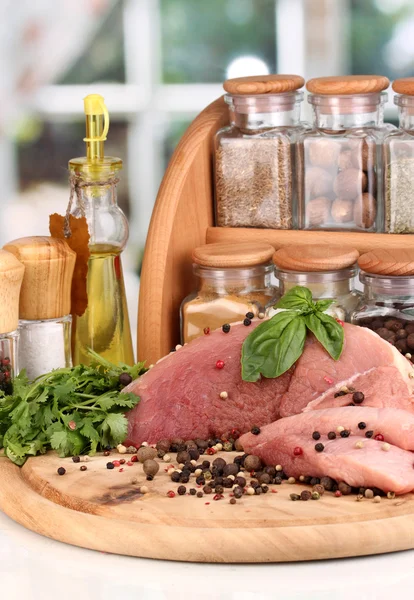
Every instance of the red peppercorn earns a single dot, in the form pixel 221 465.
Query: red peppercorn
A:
pixel 206 330
pixel 235 434
pixel 379 437
pixel 116 463
pixel 338 493
pixel 218 496
pixel 171 494
pixel 134 458
pixel 130 463
pixel 72 425
pixel 219 364
pixel 121 470
pixel 298 451
pixel 211 451
pixel 122 461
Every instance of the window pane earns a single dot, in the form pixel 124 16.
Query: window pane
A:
pixel 382 37
pixel 201 39
pixel 104 58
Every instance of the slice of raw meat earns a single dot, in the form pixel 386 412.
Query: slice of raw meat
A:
pixel 180 395
pixel 381 386
pixel 397 426
pixel 316 372
pixel 369 466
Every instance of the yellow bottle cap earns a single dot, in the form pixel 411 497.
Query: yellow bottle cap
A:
pixel 94 106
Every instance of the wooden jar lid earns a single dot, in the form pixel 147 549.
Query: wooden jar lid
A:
pixel 264 84
pixel 405 85
pixel 315 258
pixel 47 281
pixel 11 277
pixel 241 255
pixel 388 262
pixel 348 84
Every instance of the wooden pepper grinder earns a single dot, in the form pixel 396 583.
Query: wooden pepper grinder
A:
pixel 11 277
pixel 44 311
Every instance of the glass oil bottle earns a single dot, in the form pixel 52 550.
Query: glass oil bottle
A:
pixel 104 326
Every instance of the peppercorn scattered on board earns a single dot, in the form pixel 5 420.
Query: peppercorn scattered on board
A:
pixel 106 509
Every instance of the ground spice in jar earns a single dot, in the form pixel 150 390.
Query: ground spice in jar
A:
pixel 234 281
pixel 254 182
pixel 399 199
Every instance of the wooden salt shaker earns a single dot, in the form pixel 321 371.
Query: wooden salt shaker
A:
pixel 45 298
pixel 11 276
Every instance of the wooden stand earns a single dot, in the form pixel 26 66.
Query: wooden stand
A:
pixel 11 277
pixel 183 219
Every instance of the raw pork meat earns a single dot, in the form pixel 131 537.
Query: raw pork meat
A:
pixel 180 395
pixel 316 372
pixel 368 466
pixel 397 426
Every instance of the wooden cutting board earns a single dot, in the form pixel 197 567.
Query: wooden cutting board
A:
pixel 101 509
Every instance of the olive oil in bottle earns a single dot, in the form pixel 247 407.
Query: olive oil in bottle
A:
pixel 104 326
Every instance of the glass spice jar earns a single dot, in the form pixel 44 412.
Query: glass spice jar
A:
pixel 328 271
pixel 387 302
pixel 234 279
pixel 399 163
pixel 339 160
pixel 254 156
pixel 11 277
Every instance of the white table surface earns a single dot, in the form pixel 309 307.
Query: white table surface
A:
pixel 35 567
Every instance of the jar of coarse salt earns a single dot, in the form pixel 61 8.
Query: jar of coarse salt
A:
pixel 44 311
pixel 11 276
pixel 328 271
pixel 234 284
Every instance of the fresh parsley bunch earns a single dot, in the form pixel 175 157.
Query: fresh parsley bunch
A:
pixel 275 345
pixel 71 410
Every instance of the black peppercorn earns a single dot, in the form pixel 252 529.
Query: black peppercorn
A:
pixel 319 447
pixel 207 489
pixel 314 481
pixel 247 322
pixel 265 488
pixel 344 488
pixel 327 483
pixel 358 397
pixel 238 492
pixel 193 491
pixel 219 489
pixel 194 453
pixel 175 476
pixel 230 469
pixel 108 448
pixel 150 477
pixel 206 463
pixel 331 435
pixel 227 483
pixel 258 490
pixel 61 470
pixel 83 468
pixel 181 490
pixel 362 425
pixel 184 478
pixel 76 459
pixel 316 435
pixel 226 328
pixel 338 394
pixel 200 480
pixel 305 495
pixel 125 379
pixel 278 480
pixel 200 494
pixel 345 433
pixel 255 430
pixel 249 315
pixel 369 434
pixel 110 465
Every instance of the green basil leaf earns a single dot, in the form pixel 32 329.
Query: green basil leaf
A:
pixel 273 347
pixel 298 298
pixel 322 305
pixel 327 331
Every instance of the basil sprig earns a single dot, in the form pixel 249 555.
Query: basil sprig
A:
pixel 275 345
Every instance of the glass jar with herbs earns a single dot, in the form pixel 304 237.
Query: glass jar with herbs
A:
pixel 399 163
pixel 339 160
pixel 234 284
pixel 328 271
pixel 254 155
pixel 387 303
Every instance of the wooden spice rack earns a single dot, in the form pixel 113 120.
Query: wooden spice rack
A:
pixel 183 219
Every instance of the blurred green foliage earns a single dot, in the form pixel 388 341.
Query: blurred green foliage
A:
pixel 201 38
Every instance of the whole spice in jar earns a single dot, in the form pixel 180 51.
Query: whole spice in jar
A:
pixel 254 157
pixel 234 281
